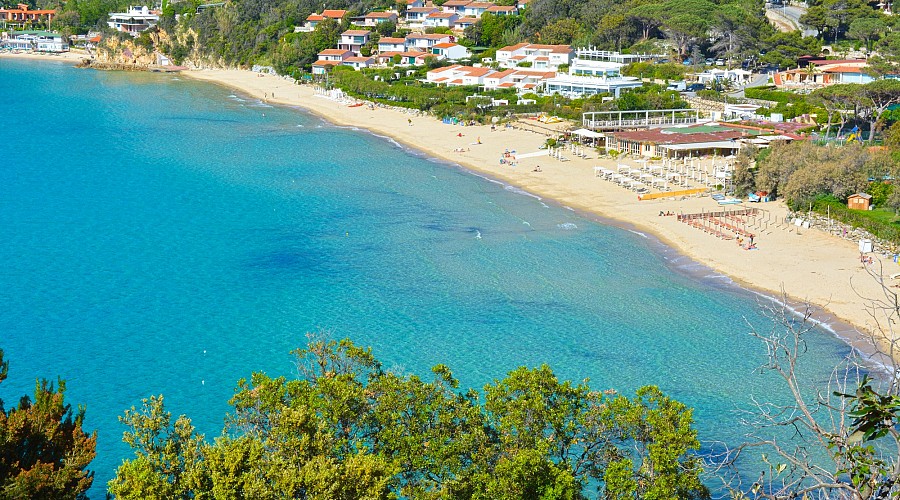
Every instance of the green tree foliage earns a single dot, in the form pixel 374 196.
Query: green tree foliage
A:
pixel 492 31
pixel 44 453
pixel 867 30
pixel 783 49
pixel 803 171
pixel 742 177
pixel 346 428
pixel 560 32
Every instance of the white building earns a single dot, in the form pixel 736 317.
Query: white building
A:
pixel 353 40
pixel 358 63
pixel 441 20
pixel 501 10
pixel 588 67
pixel 457 6
pixel 39 41
pixel 450 51
pixel 424 42
pixel 458 75
pixel 390 44
pixel 464 22
pixel 476 9
pixel 376 18
pixel 415 16
pixel 135 21
pixel 574 86
pixel 548 57
pixel 522 79
pixel 330 58
pixel 589 77
pixel 736 76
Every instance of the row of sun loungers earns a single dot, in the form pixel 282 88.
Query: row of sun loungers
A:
pixel 725 225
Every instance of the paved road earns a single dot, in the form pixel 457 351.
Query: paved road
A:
pixel 792 14
pixel 759 80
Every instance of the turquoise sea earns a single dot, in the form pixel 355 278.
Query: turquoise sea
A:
pixel 165 236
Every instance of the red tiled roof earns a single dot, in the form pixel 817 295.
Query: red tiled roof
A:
pixel 503 73
pixel 334 14
pixel 501 8
pixel 427 36
pixel 542 74
pixel 820 62
pixel 445 68
pixel 380 15
pixel 457 3
pixel 322 62
pixel 315 17
pixel 358 59
pixel 476 71
pixel 445 15
pixel 479 5
pixel 661 137
pixel 511 48
pixel 506 84
pixel 356 32
pixel 552 48
pixel 843 69
pixel 388 39
pixel 333 52
pixel 445 45
pixel 457 81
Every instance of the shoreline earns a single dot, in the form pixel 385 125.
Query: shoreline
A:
pixel 807 267
pixel 72 56
pixel 836 304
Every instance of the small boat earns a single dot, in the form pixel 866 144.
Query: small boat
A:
pixel 355 105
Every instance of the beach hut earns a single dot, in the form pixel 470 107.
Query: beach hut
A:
pixel 859 201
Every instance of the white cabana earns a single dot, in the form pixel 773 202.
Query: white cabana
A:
pixel 588 134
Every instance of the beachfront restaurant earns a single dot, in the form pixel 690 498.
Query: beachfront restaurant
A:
pixel 677 142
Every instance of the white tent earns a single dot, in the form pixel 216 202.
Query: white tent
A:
pixel 588 134
pixel 583 132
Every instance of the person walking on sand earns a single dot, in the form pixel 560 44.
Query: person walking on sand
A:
pixel 409 120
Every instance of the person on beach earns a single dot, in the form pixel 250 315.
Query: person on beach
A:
pixel 409 120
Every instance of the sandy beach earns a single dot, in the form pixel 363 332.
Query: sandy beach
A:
pixel 808 265
pixel 72 56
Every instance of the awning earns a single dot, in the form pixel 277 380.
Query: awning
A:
pixel 701 145
pixel 583 132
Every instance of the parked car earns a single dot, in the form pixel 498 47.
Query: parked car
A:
pixel 694 87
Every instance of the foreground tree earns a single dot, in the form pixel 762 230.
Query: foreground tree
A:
pixel 845 439
pixel 44 453
pixel 346 428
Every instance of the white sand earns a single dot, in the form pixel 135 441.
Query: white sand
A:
pixel 809 265
pixel 72 56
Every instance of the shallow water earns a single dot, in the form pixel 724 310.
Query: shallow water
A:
pixel 169 236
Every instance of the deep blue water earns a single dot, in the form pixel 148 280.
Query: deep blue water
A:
pixel 168 236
